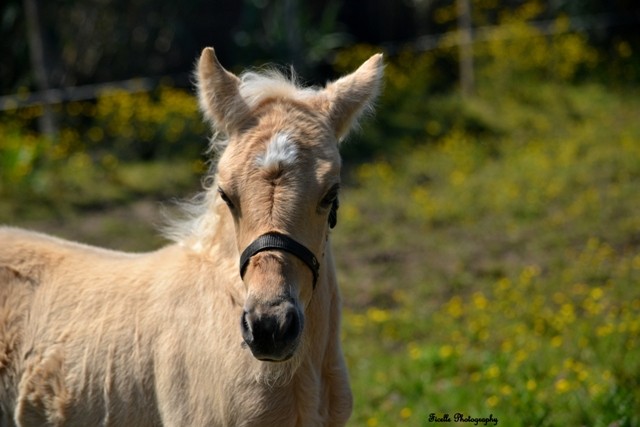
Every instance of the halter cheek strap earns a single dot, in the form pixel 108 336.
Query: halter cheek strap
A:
pixel 273 240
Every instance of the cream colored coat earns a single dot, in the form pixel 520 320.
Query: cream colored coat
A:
pixel 92 337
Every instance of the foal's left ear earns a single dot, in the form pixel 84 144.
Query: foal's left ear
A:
pixel 350 96
pixel 219 94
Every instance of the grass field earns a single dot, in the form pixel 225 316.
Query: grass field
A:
pixel 486 276
pixel 500 276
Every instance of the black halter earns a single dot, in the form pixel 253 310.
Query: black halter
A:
pixel 275 240
pixel 282 242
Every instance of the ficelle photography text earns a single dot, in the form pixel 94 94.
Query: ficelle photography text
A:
pixel 463 418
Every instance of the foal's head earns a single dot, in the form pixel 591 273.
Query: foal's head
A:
pixel 279 177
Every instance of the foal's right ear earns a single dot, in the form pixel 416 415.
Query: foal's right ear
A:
pixel 219 95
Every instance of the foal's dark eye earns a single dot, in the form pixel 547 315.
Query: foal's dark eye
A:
pixel 225 198
pixel 329 199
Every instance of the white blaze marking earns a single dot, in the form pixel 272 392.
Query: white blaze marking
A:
pixel 281 151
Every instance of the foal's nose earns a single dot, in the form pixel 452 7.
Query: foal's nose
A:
pixel 272 332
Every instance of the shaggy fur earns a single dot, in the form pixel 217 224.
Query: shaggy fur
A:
pixel 92 337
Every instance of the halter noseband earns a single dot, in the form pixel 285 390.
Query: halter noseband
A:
pixel 285 243
pixel 275 240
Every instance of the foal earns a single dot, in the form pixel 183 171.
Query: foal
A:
pixel 234 324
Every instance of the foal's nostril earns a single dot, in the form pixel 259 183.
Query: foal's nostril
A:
pixel 291 327
pixel 246 328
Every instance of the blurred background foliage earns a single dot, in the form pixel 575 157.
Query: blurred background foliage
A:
pixel 518 44
pixel 489 240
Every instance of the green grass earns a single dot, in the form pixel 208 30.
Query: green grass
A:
pixel 501 276
pixel 495 274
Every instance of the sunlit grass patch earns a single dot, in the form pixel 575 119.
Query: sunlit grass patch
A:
pixel 517 350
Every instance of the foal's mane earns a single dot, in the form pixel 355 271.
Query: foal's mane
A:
pixel 196 218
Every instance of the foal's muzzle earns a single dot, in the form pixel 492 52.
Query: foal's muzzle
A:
pixel 272 332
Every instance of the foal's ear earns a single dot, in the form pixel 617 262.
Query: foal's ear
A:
pixel 353 94
pixel 218 94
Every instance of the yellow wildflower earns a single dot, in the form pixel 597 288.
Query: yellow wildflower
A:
pixel 405 413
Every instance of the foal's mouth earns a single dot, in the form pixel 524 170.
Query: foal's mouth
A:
pixel 269 359
pixel 245 346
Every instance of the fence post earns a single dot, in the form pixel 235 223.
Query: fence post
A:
pixel 46 122
pixel 465 58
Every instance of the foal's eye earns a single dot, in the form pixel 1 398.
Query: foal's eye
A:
pixel 225 198
pixel 329 199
